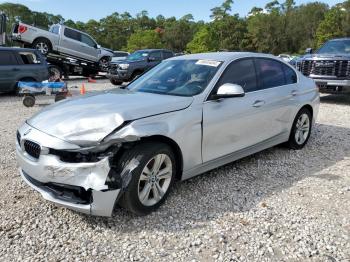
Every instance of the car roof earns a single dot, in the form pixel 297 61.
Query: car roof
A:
pixel 222 56
pixel 18 49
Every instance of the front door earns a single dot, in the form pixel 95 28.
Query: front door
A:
pixel 232 124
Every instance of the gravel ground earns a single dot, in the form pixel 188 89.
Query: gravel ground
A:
pixel 278 205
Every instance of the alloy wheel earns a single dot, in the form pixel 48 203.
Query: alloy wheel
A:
pixel 302 129
pixel 42 47
pixel 155 180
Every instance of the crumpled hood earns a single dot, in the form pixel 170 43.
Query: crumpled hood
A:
pixel 86 120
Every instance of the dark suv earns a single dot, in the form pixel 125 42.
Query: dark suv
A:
pixel 135 64
pixel 21 64
pixel 329 66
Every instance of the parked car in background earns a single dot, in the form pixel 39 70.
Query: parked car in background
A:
pixel 136 64
pixel 293 62
pixel 285 57
pixel 188 115
pixel 119 55
pixel 64 40
pixel 20 64
pixel 329 66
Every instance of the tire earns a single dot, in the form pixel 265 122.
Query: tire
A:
pixel 104 64
pixel 116 82
pixel 43 45
pixel 55 73
pixel 28 101
pixel 301 130
pixel 146 153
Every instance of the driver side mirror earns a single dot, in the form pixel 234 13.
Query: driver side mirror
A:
pixel 98 46
pixel 229 90
pixel 308 51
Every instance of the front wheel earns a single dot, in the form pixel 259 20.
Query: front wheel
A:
pixel 301 129
pixel 152 168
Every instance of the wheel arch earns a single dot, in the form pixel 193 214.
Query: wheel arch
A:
pixel 43 38
pixel 175 148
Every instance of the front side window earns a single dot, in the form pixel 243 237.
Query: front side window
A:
pixel 7 58
pixel 335 47
pixel 138 55
pixel 270 72
pixel 242 73
pixel 177 77
pixel 72 34
pixel 87 40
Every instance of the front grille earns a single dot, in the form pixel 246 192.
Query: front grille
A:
pixel 18 135
pixel 32 148
pixel 335 68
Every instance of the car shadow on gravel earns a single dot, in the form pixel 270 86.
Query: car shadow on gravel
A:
pixel 237 187
pixel 340 99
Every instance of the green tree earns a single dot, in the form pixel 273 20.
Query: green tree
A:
pixel 201 42
pixel 331 26
pixel 143 40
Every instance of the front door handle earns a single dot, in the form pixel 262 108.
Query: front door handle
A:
pixel 294 92
pixel 259 103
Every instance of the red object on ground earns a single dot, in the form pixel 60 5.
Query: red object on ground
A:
pixel 82 89
pixel 90 80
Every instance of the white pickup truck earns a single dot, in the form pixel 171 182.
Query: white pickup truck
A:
pixel 63 40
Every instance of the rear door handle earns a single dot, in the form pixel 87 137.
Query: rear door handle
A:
pixel 294 92
pixel 259 103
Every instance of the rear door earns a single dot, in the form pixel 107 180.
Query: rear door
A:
pixel 9 71
pixel 277 87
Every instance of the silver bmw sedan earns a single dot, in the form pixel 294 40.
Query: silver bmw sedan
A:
pixel 188 115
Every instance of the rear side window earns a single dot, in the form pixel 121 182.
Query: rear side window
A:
pixel 242 73
pixel 7 58
pixel 72 34
pixel 156 55
pixel 29 58
pixel 167 54
pixel 291 76
pixel 271 73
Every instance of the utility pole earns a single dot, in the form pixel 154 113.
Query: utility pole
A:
pixel 3 19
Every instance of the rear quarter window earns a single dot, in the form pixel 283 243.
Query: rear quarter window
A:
pixel 7 58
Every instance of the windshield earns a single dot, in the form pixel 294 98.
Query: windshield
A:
pixel 335 47
pixel 177 77
pixel 139 55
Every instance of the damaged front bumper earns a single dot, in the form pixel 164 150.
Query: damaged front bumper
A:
pixel 83 187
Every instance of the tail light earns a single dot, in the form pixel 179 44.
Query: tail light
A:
pixel 22 29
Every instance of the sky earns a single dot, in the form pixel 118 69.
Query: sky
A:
pixel 83 10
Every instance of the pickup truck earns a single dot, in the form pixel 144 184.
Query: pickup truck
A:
pixel 329 66
pixel 63 40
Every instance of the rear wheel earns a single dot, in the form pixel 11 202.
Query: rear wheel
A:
pixel 104 64
pixel 55 73
pixel 28 101
pixel 301 129
pixel 43 45
pixel 152 173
